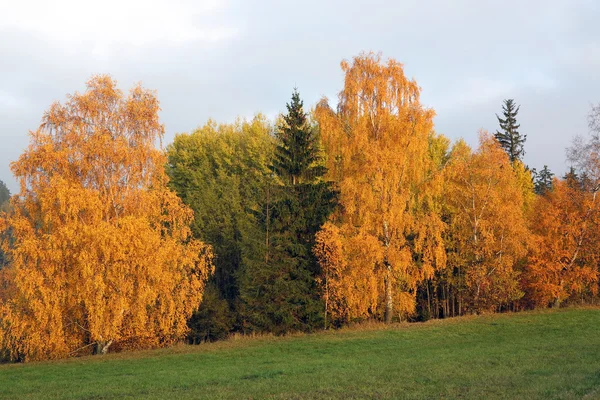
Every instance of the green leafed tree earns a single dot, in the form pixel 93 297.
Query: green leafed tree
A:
pixel 509 137
pixel 221 172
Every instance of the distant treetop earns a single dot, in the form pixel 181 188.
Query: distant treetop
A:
pixel 511 140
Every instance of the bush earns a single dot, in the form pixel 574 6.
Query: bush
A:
pixel 213 320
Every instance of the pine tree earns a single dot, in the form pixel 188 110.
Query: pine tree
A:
pixel 297 153
pixel 4 235
pixel 510 138
pixel 571 175
pixel 543 181
pixel 299 164
pixel 4 195
pixel 279 291
pixel 574 180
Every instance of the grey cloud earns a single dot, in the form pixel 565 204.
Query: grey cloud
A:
pixel 545 54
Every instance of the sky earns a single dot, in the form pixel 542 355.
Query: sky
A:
pixel 224 59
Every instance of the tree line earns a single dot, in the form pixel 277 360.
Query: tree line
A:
pixel 322 218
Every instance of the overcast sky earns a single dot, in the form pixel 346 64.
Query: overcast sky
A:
pixel 223 59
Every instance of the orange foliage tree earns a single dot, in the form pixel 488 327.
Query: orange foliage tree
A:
pixel 334 282
pixel 102 252
pixel 388 234
pixel 563 262
pixel 487 229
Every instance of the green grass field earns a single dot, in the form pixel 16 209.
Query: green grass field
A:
pixel 548 354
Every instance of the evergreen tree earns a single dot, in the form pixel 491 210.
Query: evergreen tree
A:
pixel 213 320
pixel 543 181
pixel 577 181
pixel 571 175
pixel 298 162
pixel 279 291
pixel 510 138
pixel 4 198
pixel 4 195
pixel 297 154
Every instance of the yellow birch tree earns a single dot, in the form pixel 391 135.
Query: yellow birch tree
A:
pixel 563 264
pixel 378 154
pixel 487 227
pixel 102 253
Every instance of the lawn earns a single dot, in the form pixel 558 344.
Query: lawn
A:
pixel 544 354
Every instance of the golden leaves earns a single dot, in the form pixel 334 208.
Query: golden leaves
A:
pixel 102 247
pixel 378 147
pixel 564 258
pixel 484 199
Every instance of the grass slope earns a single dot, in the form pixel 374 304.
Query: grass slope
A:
pixel 548 354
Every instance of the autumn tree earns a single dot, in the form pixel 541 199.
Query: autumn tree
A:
pixel 436 295
pixel 565 261
pixel 279 292
pixel 378 154
pixel 102 251
pixel 511 140
pixel 564 258
pixel 334 281
pixel 487 229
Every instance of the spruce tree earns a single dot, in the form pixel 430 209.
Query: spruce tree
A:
pixel 543 181
pixel 4 200
pixel 580 181
pixel 573 179
pixel 4 194
pixel 279 291
pixel 297 153
pixel 511 140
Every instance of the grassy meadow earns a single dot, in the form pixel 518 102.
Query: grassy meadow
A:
pixel 553 354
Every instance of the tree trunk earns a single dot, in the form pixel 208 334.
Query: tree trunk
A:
pixel 389 300
pixel 447 312
pixel 557 303
pixel 428 300
pixel 436 298
pixel 267 223
pixel 102 347
pixel 326 297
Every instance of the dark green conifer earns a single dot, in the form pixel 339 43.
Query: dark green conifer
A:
pixel 297 155
pixel 543 181
pixel 4 194
pixel 511 140
pixel 4 200
pixel 279 292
